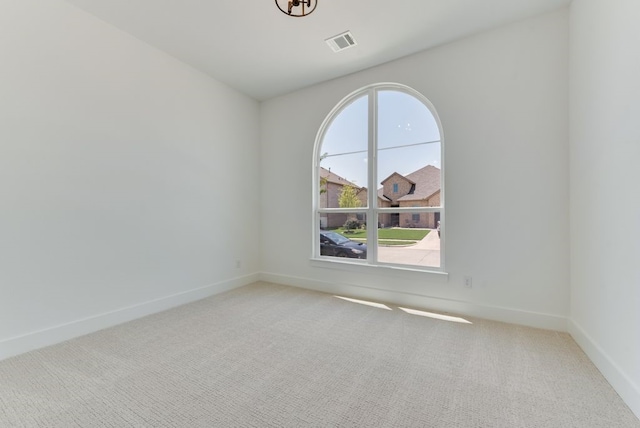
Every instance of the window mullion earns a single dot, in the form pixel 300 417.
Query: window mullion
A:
pixel 410 210
pixel 372 171
pixel 342 210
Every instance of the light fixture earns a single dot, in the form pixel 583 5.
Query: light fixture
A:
pixel 291 8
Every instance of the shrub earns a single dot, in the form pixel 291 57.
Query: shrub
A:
pixel 351 224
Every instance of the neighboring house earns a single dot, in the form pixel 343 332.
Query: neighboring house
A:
pixel 421 188
pixel 331 186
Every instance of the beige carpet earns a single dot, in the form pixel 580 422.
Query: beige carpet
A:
pixel 274 356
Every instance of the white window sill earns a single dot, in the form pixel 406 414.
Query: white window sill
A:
pixel 409 272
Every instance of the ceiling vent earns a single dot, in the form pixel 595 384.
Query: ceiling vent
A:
pixel 341 41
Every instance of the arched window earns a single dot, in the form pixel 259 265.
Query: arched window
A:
pixel 378 180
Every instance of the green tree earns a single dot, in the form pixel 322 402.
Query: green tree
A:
pixel 323 180
pixel 348 197
pixel 323 185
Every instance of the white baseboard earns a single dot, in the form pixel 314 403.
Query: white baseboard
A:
pixel 513 316
pixel 628 390
pixel 59 333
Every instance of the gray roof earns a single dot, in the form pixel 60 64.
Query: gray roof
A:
pixel 399 175
pixel 335 178
pixel 381 195
pixel 427 181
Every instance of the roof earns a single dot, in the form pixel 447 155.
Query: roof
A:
pixel 399 175
pixel 427 181
pixel 382 196
pixel 335 178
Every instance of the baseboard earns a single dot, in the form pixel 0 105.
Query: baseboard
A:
pixel 59 333
pixel 626 388
pixel 509 315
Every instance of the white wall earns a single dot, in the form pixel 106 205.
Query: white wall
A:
pixel 502 97
pixel 127 179
pixel 605 177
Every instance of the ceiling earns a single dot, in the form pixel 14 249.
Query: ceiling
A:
pixel 253 47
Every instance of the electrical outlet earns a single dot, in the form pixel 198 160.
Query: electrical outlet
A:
pixel 238 264
pixel 468 282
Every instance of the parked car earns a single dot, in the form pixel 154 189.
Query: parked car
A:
pixel 335 245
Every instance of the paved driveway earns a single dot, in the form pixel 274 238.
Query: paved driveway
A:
pixel 425 253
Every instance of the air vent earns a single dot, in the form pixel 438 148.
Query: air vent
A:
pixel 341 41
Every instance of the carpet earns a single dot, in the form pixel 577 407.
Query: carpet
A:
pixel 267 355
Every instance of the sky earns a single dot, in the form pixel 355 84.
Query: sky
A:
pixel 408 138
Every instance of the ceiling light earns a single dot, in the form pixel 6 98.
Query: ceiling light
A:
pixel 297 8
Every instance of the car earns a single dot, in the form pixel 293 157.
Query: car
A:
pixel 335 245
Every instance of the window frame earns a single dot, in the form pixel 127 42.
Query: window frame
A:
pixel 372 211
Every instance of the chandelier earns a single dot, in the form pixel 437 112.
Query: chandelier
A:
pixel 297 8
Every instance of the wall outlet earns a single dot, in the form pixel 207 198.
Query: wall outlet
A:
pixel 468 282
pixel 238 264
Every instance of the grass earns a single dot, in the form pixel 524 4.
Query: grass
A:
pixel 390 243
pixel 392 234
pixel 386 242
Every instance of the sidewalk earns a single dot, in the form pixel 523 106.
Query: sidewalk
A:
pixel 424 253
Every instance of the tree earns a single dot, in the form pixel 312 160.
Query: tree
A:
pixel 323 185
pixel 323 180
pixel 348 197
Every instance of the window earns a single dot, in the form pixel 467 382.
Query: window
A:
pixel 378 180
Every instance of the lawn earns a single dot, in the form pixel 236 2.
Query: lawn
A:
pixel 390 234
pixel 391 243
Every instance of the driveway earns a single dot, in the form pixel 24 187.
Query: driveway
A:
pixel 425 253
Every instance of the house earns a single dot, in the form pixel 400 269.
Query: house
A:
pixel 331 187
pixel 421 188
pixel 132 180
